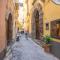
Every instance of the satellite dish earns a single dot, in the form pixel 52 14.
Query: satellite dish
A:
pixel 56 1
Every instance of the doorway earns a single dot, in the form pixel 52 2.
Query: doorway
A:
pixel 9 29
pixel 37 24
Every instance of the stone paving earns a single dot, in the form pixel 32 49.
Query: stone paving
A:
pixel 28 50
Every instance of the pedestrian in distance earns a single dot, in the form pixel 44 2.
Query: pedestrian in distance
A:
pixel 26 35
pixel 18 34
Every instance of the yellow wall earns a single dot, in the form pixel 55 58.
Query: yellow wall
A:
pixel 31 7
pixel 19 25
pixel 51 12
pixel 25 13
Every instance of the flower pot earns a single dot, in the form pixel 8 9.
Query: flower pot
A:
pixel 47 48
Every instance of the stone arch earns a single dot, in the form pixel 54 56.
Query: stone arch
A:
pixel 37 16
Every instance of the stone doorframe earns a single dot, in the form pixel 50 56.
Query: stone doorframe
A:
pixel 37 7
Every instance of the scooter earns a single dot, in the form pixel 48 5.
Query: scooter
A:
pixel 17 38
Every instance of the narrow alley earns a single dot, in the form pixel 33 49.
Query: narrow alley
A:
pixel 26 49
pixel 29 29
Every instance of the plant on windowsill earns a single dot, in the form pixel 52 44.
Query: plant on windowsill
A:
pixel 47 45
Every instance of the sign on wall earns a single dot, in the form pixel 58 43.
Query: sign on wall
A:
pixel 56 1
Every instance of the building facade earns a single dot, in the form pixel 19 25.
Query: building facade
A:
pixel 16 16
pixel 7 25
pixel 44 20
pixel 25 14
pixel 10 21
pixel 3 4
pixel 52 25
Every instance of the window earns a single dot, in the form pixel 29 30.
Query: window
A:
pixel 55 29
pixel 47 26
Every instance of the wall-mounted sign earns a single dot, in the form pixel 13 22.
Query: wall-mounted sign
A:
pixel 56 1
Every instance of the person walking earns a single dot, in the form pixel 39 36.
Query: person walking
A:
pixel 18 34
pixel 26 35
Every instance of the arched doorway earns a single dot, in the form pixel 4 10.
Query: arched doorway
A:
pixel 9 29
pixel 37 22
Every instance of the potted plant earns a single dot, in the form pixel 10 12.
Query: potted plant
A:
pixel 47 45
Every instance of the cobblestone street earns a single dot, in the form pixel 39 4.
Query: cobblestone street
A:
pixel 28 50
pixel 29 29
